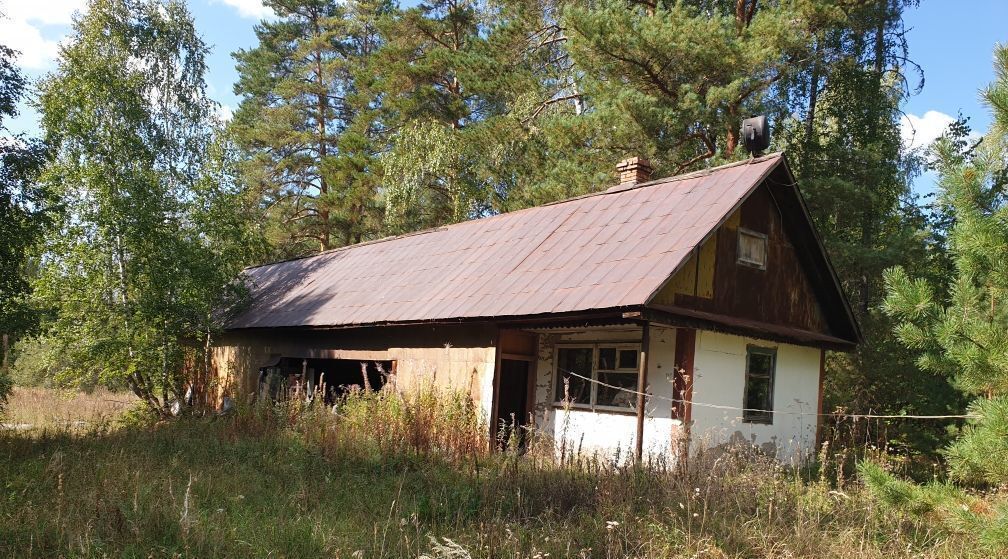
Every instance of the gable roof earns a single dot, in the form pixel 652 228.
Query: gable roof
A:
pixel 609 250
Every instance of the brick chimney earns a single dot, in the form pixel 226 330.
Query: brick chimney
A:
pixel 634 170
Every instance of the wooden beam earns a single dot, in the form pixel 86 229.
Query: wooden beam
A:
pixel 641 387
pixel 679 317
pixel 495 398
pixel 685 350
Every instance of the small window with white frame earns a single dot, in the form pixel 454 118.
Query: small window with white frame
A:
pixel 752 248
pixel 761 366
pixel 611 368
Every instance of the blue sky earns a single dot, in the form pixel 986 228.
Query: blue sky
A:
pixel 951 40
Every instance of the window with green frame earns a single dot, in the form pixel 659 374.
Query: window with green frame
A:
pixel 761 364
pixel 612 368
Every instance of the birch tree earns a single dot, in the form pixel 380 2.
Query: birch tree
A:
pixel 151 237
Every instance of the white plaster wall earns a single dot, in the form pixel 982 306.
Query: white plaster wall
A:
pixel 605 433
pixel 719 379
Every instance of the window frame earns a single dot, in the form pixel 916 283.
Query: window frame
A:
pixel 593 404
pixel 766 249
pixel 763 418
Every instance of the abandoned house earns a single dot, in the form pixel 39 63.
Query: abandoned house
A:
pixel 710 291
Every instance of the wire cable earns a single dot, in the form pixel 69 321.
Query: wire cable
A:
pixel 854 416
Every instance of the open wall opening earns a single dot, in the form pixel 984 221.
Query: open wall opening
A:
pixel 287 377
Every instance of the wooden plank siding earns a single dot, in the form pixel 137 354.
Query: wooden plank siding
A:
pixel 712 281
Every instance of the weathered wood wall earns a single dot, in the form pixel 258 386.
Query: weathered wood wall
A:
pixel 712 281
pixel 460 357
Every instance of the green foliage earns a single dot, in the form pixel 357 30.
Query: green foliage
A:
pixel 459 137
pixel 980 454
pixel 36 363
pixel 839 120
pixel 673 80
pixel 943 505
pixel 961 332
pixel 154 229
pixel 25 207
pixel 6 387
pixel 309 120
pixel 906 496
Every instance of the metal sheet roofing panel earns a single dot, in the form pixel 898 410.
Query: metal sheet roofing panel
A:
pixel 604 250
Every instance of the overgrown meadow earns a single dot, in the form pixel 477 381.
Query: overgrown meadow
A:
pixel 386 475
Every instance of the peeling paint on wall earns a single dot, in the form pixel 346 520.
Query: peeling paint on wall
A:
pixel 719 372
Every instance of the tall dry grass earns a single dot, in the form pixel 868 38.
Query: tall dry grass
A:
pixel 38 407
pixel 389 475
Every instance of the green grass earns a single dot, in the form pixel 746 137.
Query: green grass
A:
pixel 395 478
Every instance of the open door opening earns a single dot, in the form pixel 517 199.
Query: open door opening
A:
pixel 512 404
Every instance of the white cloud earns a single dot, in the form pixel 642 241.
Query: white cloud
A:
pixel 224 112
pixel 22 28
pixel 921 131
pixel 249 8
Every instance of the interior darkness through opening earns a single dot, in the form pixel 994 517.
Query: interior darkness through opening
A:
pixel 330 378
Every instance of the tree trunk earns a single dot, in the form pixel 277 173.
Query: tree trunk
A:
pixel 731 141
pixel 868 220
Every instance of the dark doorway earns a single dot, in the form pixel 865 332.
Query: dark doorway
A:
pixel 512 403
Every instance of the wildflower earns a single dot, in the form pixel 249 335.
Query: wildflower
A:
pixel 611 525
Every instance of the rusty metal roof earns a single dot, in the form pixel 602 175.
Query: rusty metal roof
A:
pixel 606 250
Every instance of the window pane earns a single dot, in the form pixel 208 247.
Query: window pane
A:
pixel 758 398
pixel 613 396
pixel 758 394
pixel 577 360
pixel 628 359
pixel 760 364
pixel 607 358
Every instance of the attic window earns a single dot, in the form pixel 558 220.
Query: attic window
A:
pixel 752 248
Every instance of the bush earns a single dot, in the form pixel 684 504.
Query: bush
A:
pixel 38 363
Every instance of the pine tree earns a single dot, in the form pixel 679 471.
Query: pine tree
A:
pixel 309 121
pixel 855 174
pixel 964 333
pixel 673 80
pixel 436 80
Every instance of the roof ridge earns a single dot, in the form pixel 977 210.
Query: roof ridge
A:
pixel 611 190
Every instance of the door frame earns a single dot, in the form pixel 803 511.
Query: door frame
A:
pixel 529 396
pixel 533 360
